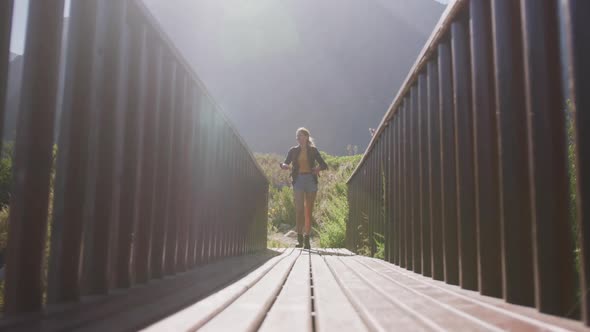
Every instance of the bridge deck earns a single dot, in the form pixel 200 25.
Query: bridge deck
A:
pixel 334 290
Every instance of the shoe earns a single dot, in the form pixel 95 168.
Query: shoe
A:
pixel 299 241
pixel 306 244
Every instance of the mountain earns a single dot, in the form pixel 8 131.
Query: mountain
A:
pixel 333 66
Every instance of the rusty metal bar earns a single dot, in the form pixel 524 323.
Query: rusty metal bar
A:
pixel 33 158
pixel 448 165
pixel 487 207
pixel 513 168
pixel 555 290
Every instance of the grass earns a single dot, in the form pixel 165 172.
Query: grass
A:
pixel 331 209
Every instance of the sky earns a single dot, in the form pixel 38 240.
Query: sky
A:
pixel 20 19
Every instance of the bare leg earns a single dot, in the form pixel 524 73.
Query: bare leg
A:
pixel 299 211
pixel 309 203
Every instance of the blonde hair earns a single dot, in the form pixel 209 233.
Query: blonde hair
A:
pixel 305 132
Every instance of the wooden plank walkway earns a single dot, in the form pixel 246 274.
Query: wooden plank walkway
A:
pixel 133 309
pixel 335 290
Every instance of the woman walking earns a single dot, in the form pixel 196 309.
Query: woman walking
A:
pixel 305 182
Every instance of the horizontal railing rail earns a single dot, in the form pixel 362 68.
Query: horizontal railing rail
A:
pixel 478 173
pixel 149 177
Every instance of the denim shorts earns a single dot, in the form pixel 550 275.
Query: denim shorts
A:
pixel 305 183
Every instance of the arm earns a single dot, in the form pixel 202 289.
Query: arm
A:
pixel 318 157
pixel 288 160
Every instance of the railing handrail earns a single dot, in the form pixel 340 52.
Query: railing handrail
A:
pixel 152 21
pixel 441 28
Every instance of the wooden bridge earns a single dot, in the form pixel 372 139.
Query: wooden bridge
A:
pixel 150 212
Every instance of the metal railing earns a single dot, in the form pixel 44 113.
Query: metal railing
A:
pixel 467 176
pixel 150 178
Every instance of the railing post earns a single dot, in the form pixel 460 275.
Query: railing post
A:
pixel 576 15
pixel 448 165
pixel 485 150
pixel 515 218
pixel 464 156
pixel 6 7
pixel 33 158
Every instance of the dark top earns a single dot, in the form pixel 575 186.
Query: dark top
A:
pixel 313 156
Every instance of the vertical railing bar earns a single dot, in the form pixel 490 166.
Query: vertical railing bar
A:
pixel 555 289
pixel 405 233
pixel 464 155
pixel 148 163
pixel 424 175
pixel 6 9
pixel 576 16
pixel 415 168
pixel 191 201
pixel 398 188
pixel 485 150
pixel 395 186
pixel 33 158
pixel 68 238
pixel 435 171
pixel 172 236
pixel 448 165
pixel 515 212
pixel 163 168
pixel 129 177
pixel 128 200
